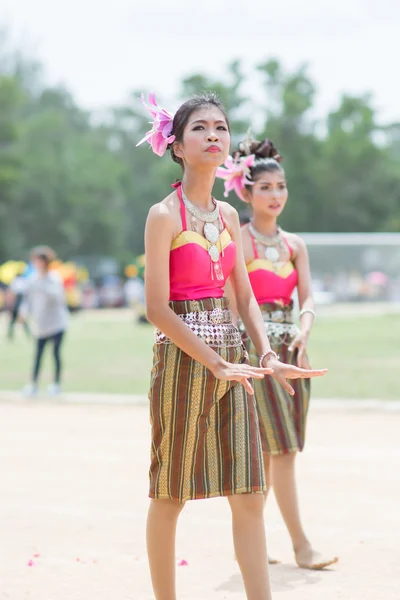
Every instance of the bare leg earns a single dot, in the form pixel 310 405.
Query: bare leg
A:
pixel 161 529
pixel 250 545
pixel 267 469
pixel 284 483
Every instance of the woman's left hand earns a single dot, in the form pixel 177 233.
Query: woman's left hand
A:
pixel 300 344
pixel 283 372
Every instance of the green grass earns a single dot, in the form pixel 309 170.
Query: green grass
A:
pixel 106 352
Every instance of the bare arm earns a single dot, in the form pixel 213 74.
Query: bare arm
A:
pixel 24 310
pixel 250 313
pixel 304 286
pixel 158 237
pixel 306 300
pixel 246 304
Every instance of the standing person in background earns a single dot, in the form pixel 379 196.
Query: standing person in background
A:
pixel 45 302
pixel 277 263
pixel 17 289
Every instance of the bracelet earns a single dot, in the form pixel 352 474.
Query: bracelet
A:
pixel 264 355
pixel 308 310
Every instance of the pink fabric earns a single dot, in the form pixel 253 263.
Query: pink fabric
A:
pixel 271 287
pixel 191 270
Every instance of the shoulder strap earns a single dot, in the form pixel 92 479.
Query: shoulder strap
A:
pixel 183 209
pixel 288 245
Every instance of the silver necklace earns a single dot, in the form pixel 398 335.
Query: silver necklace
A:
pixel 270 242
pixel 211 231
pixel 206 217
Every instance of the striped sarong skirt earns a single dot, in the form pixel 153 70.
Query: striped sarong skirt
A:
pixel 205 432
pixel 282 417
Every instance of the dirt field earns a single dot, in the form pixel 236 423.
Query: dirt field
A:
pixel 73 491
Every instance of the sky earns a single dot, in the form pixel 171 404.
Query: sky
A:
pixel 102 49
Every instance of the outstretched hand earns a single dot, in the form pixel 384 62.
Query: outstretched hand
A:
pixel 282 372
pixel 240 372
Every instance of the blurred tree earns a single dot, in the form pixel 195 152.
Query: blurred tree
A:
pixel 76 180
pixel 289 99
pixel 355 179
pixel 10 163
pixel 71 177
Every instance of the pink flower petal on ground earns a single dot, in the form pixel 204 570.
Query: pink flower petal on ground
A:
pixel 30 563
pixel 183 563
pixel 36 555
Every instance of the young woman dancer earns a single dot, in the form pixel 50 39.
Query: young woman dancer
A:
pixel 44 301
pixel 277 263
pixel 205 434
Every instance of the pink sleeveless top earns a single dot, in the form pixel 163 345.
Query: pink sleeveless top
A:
pixel 270 284
pixel 190 269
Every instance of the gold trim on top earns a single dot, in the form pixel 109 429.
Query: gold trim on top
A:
pixel 263 264
pixel 192 237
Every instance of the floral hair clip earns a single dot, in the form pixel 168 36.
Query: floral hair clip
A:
pixel 236 174
pixel 159 136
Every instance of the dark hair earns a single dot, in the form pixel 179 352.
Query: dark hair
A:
pixel 183 113
pixel 44 253
pixel 267 157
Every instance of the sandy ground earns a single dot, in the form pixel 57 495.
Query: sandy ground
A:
pixel 73 490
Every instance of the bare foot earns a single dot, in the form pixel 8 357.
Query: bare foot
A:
pixel 307 558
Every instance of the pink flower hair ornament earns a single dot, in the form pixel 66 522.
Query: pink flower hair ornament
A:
pixel 159 136
pixel 236 174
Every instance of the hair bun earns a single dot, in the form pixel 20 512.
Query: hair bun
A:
pixel 264 149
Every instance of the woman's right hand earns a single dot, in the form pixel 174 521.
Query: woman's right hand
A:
pixel 283 372
pixel 241 373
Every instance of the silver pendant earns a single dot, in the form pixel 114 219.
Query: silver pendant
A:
pixel 211 233
pixel 271 254
pixel 214 253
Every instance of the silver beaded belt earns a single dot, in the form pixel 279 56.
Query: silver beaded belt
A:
pixel 279 326
pixel 214 327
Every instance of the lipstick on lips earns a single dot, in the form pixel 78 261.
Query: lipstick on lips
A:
pixel 213 149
